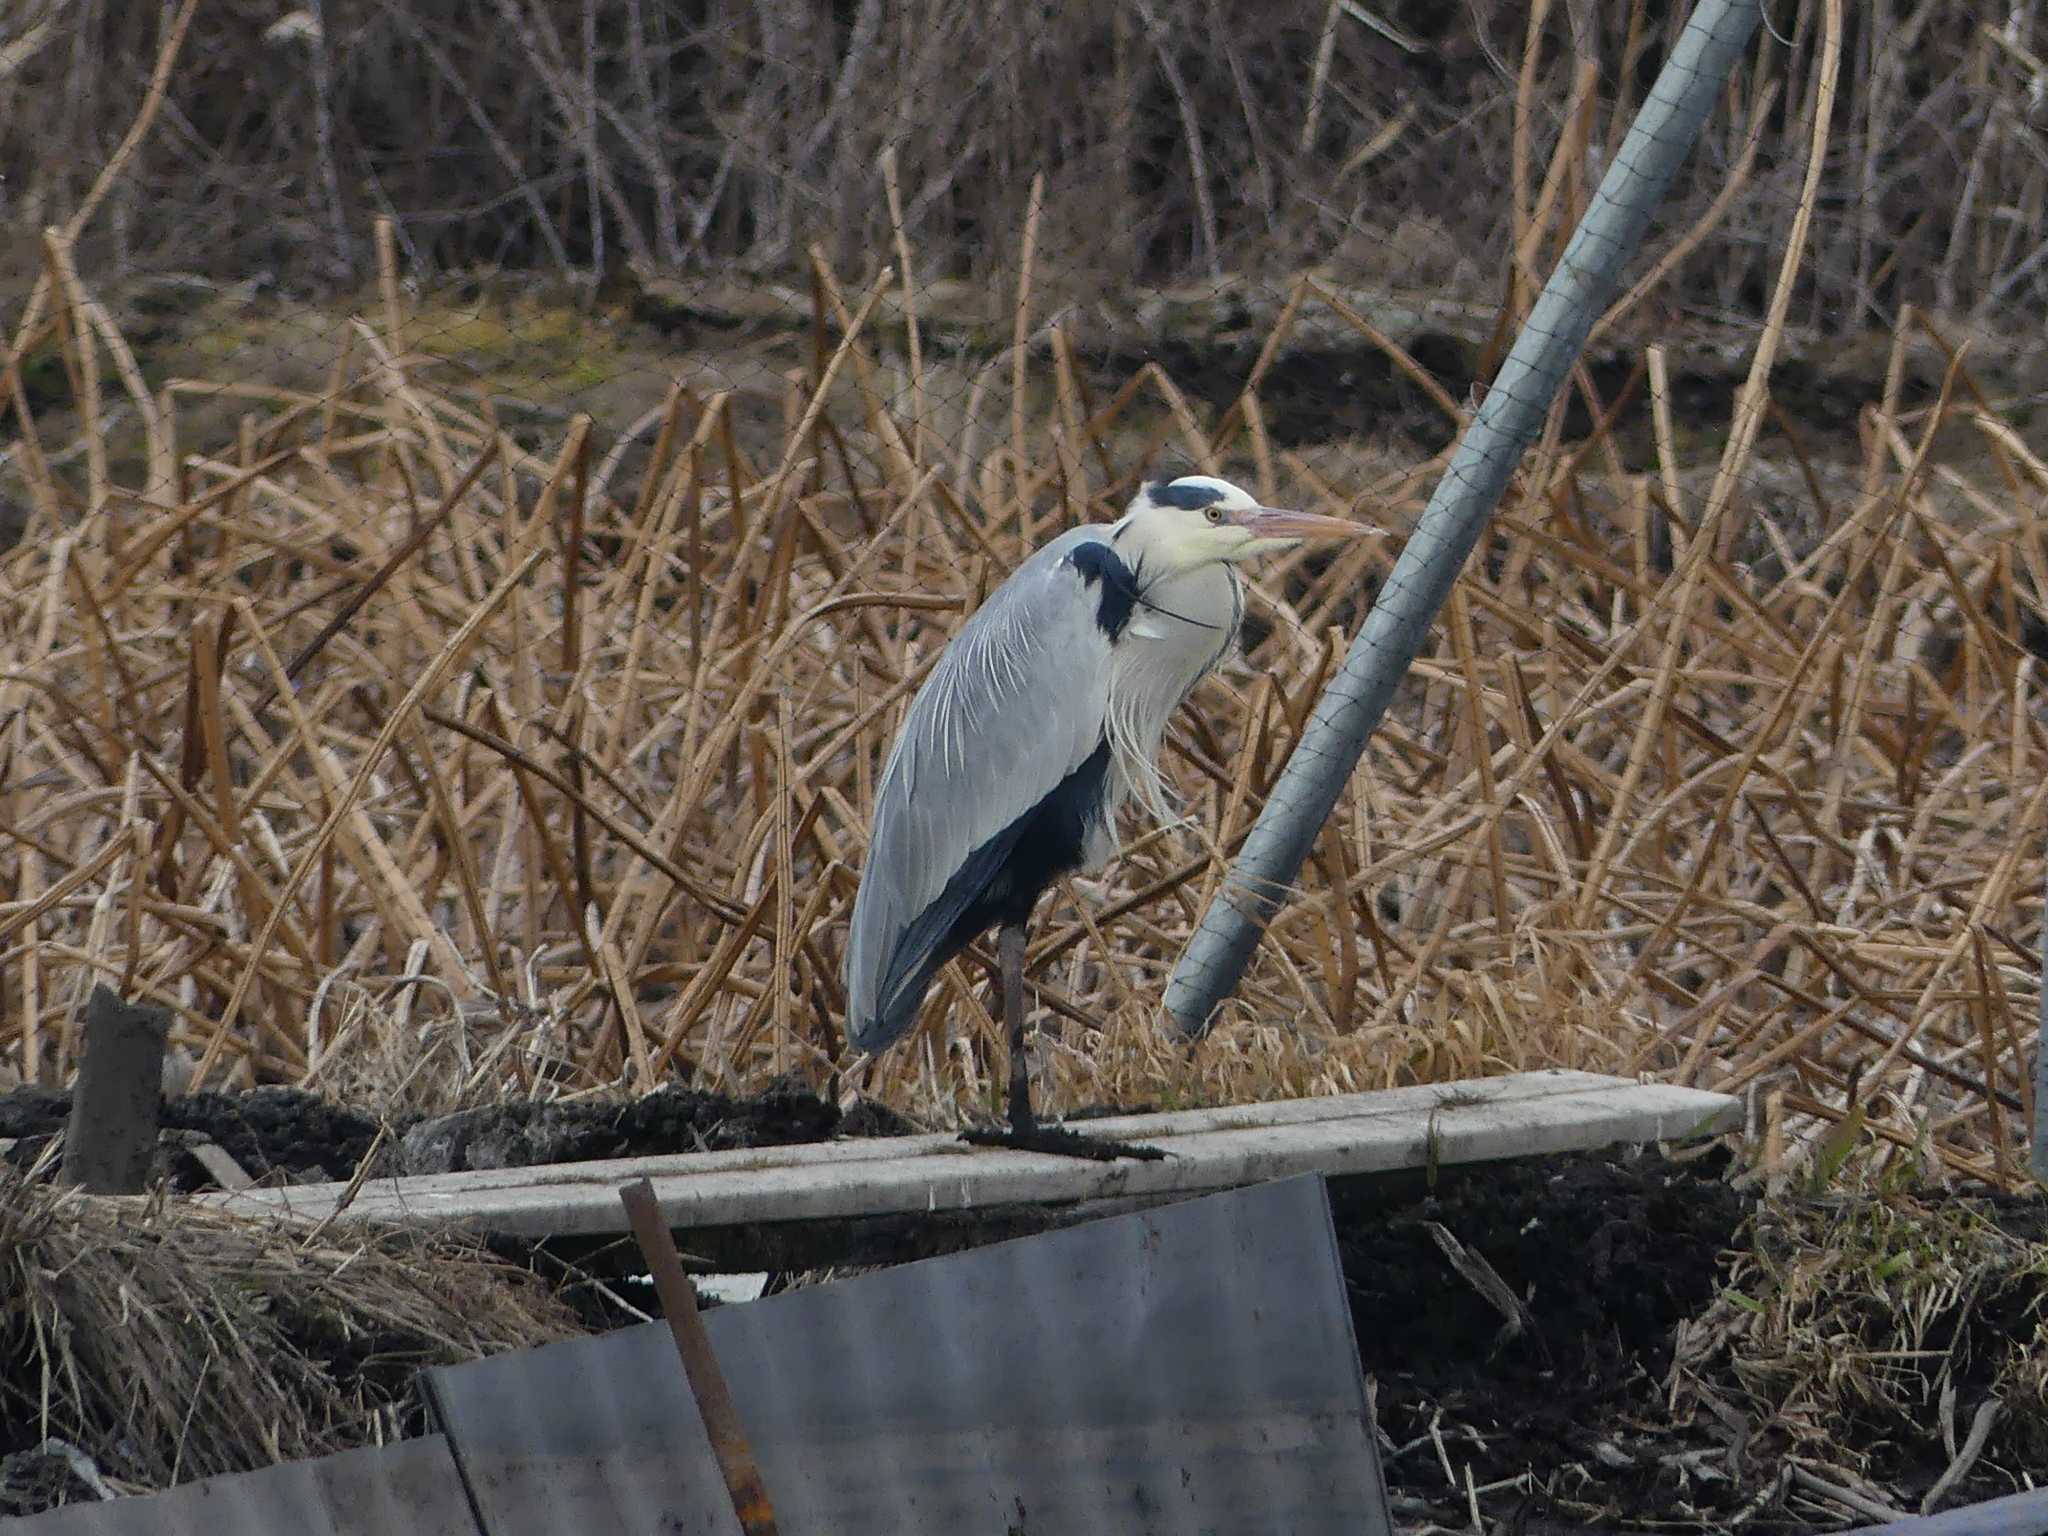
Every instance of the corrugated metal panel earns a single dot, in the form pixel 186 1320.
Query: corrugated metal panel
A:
pixel 411 1487
pixel 2017 1514
pixel 1180 1370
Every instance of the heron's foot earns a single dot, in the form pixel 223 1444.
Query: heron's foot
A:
pixel 1060 1143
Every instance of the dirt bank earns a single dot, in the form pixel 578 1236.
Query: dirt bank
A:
pixel 1519 1322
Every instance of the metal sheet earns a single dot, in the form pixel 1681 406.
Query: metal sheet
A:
pixel 2016 1514
pixel 411 1487
pixel 1179 1370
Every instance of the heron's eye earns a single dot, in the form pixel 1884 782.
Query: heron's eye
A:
pixel 1214 514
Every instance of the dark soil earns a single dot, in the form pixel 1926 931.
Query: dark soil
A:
pixel 1549 1395
pixel 281 1135
pixel 668 1120
pixel 1317 393
pixel 1607 1253
pixel 35 1480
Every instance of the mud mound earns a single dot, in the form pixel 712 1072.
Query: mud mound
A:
pixel 38 1479
pixel 278 1131
pixel 283 1135
pixel 1576 1342
pixel 1600 1256
pixel 667 1120
pixel 275 1134
pixel 30 1111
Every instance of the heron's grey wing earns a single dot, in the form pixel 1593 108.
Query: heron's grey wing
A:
pixel 1014 706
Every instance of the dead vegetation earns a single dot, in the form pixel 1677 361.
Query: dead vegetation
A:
pixel 1866 1338
pixel 381 733
pixel 1188 138
pixel 373 731
pixel 427 756
pixel 170 1342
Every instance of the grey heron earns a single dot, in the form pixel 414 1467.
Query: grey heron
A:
pixel 1040 722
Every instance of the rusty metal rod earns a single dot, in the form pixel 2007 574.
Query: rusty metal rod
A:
pixel 700 1366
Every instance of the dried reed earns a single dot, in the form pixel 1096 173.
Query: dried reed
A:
pixel 376 702
pixel 173 1342
pixel 1177 138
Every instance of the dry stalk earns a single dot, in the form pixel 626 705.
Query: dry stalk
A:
pixel 1683 825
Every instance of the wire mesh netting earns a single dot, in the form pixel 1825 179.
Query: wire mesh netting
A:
pixel 486 480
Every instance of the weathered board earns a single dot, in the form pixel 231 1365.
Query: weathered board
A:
pixel 1525 1114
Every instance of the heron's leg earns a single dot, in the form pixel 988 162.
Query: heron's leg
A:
pixel 1025 1133
pixel 1010 955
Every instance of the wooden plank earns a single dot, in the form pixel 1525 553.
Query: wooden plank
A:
pixel 1389 1103
pixel 1522 1115
pixel 220 1168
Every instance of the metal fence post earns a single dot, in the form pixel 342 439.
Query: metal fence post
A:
pixel 1507 421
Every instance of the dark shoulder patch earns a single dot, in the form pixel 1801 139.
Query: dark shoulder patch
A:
pixel 1100 568
pixel 1189 498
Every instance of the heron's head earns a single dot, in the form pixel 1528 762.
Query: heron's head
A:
pixel 1198 520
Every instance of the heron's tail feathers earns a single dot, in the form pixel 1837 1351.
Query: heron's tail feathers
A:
pixel 894 1014
pixel 884 1002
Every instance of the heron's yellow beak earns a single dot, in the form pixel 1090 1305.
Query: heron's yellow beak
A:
pixel 1271 523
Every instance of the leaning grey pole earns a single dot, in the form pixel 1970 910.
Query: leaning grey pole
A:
pixel 1507 421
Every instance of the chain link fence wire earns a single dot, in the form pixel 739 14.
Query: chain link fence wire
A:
pixel 482 480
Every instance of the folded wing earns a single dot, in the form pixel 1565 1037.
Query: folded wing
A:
pixel 1013 711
